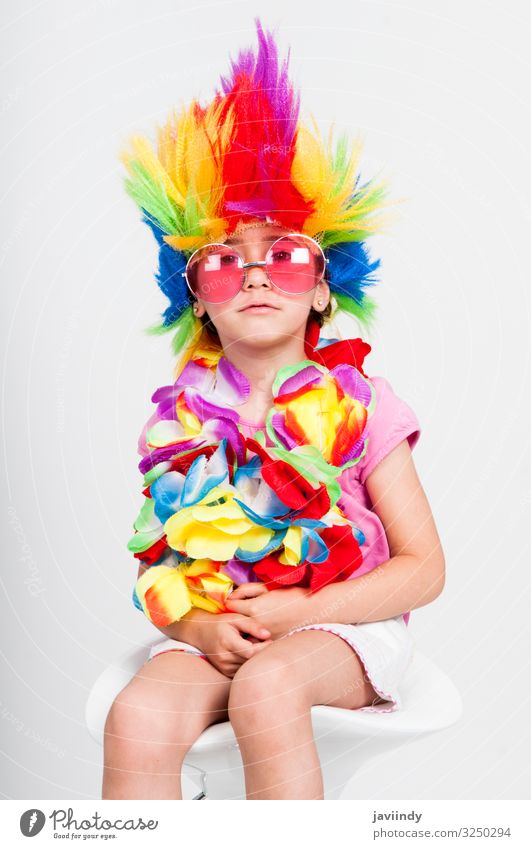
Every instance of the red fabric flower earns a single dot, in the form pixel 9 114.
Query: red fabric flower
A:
pixel 292 488
pixel 154 552
pixel 343 559
pixel 350 351
pixel 183 463
pixel 276 575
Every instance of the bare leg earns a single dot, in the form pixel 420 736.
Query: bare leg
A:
pixel 269 707
pixel 155 720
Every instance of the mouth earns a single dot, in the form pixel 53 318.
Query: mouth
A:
pixel 258 307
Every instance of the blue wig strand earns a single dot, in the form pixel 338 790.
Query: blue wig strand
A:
pixel 169 277
pixel 349 270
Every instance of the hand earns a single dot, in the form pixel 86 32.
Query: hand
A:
pixel 224 643
pixel 278 610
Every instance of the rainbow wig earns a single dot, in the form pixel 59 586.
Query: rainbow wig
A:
pixel 246 156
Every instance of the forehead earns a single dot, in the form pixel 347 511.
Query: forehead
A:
pixel 257 235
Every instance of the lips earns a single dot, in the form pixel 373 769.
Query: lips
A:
pixel 258 304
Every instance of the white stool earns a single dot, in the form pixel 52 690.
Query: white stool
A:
pixel 345 739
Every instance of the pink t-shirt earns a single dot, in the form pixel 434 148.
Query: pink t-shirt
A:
pixel 391 422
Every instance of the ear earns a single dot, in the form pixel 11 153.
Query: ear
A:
pixel 321 296
pixel 198 308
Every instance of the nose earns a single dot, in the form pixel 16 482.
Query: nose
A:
pixel 256 275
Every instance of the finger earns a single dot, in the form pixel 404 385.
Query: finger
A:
pixel 232 617
pixel 228 662
pixel 230 669
pixel 250 590
pixel 242 648
pixel 263 644
pixel 230 673
pixel 238 605
pixel 248 625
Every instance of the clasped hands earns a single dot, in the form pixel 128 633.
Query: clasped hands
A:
pixel 254 616
pixel 278 611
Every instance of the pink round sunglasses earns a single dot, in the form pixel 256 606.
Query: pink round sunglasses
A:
pixel 294 263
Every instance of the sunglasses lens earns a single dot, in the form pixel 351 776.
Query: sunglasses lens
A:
pixel 295 264
pixel 215 273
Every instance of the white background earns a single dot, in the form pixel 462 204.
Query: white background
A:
pixel 440 93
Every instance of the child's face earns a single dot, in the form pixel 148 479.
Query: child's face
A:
pixel 286 316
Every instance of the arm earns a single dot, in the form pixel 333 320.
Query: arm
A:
pixel 412 577
pixel 414 574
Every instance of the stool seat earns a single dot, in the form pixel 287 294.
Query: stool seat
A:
pixel 345 739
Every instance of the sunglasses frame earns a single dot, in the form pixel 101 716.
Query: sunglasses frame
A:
pixel 246 265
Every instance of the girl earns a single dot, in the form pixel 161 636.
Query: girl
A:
pixel 285 533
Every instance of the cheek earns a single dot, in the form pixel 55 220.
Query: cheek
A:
pixel 220 314
pixel 298 305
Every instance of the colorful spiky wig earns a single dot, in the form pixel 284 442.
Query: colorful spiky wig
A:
pixel 246 157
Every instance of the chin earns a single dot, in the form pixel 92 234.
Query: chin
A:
pixel 261 335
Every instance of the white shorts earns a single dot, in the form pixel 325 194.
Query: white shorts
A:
pixel 385 649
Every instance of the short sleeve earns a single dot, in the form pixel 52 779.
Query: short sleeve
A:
pixel 391 422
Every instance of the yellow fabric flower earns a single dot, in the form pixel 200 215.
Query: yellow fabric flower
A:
pixel 215 528
pixel 167 593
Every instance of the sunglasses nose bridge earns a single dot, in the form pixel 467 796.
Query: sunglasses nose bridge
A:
pixel 249 274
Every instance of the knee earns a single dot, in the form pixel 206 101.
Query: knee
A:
pixel 136 722
pixel 264 687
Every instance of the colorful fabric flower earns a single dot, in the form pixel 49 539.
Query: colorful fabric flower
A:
pixel 165 593
pixel 324 408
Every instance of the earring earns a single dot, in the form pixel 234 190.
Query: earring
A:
pixel 319 303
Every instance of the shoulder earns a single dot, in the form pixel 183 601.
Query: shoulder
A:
pixel 392 420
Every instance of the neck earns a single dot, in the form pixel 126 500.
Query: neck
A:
pixel 260 366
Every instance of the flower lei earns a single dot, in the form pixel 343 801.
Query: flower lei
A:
pixel 228 509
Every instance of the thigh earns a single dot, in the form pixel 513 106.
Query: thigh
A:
pixel 316 667
pixel 174 690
